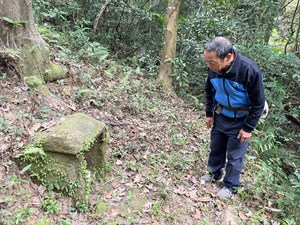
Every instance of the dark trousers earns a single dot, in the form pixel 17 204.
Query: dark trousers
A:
pixel 225 145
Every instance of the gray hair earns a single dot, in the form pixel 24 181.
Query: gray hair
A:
pixel 220 45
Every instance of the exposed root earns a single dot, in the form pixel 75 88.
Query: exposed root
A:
pixel 8 65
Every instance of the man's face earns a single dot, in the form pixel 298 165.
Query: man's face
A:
pixel 214 63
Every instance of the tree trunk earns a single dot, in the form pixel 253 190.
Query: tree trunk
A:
pixel 169 51
pixel 17 31
pixel 296 46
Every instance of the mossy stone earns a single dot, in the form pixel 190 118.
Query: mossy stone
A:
pixel 33 82
pixel 69 150
pixel 55 72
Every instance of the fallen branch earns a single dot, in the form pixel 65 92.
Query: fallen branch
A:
pixel 99 14
pixel 288 115
pixel 292 119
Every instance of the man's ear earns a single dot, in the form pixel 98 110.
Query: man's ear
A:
pixel 228 57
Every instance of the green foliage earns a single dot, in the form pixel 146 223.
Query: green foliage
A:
pixel 133 32
pixel 272 183
pixel 14 22
pixel 44 222
pixel 50 205
pixel 22 215
pixel 34 150
pixel 180 74
pixel 4 124
pixel 131 29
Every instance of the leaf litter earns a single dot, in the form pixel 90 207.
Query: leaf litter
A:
pixel 156 152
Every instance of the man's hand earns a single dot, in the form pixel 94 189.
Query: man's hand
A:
pixel 244 136
pixel 209 122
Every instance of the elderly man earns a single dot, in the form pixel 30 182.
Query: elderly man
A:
pixel 234 103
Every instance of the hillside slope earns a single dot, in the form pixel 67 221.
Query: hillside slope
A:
pixel 157 150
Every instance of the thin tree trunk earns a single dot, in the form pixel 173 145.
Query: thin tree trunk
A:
pixel 169 51
pixel 296 48
pixel 292 31
pixel 99 14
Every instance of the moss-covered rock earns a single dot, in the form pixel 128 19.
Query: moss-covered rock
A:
pixel 55 72
pixel 33 82
pixel 64 156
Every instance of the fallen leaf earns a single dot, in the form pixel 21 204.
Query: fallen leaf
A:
pixel 197 214
pixel 242 216
pixel 205 199
pixel 138 178
pixel 150 186
pixel 67 90
pixel 148 205
pixel 167 209
pixel 36 201
pixel 219 213
pixel 194 180
pixel 146 191
pixel 41 189
pixel 119 162
pixel 273 209
pixel 130 184
pixel 180 190
pixel 35 127
pixel 114 213
pixel 249 214
pixel 92 202
pixel 108 194
pixel 117 199
pixel 115 185
pixel 64 210
pixel 192 194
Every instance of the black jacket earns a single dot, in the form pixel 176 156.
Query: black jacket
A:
pixel 240 87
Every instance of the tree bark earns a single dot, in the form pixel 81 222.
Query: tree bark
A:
pixel 17 31
pixel 99 14
pixel 169 51
pixel 296 46
pixel 291 30
pixel 18 34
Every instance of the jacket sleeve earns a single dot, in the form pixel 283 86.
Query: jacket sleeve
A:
pixel 209 93
pixel 256 96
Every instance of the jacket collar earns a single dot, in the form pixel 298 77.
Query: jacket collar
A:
pixel 234 63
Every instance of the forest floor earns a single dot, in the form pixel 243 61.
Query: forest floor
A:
pixel 157 151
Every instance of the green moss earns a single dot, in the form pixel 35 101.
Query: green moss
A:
pixel 38 54
pixel 33 60
pixel 55 72
pixel 61 172
pixel 34 150
pixel 33 82
pixel 51 173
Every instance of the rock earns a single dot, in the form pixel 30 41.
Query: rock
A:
pixel 64 156
pixel 33 82
pixel 55 72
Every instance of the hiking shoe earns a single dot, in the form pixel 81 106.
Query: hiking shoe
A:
pixel 225 193
pixel 211 177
